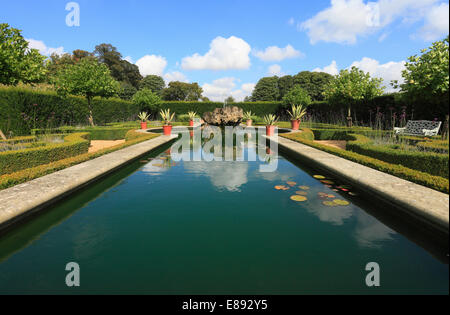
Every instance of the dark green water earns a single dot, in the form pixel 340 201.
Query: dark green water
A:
pixel 218 228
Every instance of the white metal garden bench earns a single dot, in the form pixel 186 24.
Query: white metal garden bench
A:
pixel 425 128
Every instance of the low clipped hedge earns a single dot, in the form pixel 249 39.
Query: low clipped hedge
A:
pixel 435 145
pixel 95 133
pixel 427 162
pixel 73 145
pixel 9 180
pixel 435 182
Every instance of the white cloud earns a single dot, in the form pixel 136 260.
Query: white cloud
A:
pixel 152 64
pixel 129 59
pixel 43 49
pixel 345 20
pixel 222 88
pixel 224 54
pixel 331 69
pixel 291 21
pixel 175 76
pixel 436 23
pixel 388 71
pixel 274 53
pixel 275 70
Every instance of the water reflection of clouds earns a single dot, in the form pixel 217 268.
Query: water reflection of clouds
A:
pixel 333 215
pixel 223 175
pixel 154 167
pixel 370 232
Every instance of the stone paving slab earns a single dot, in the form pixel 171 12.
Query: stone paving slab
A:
pixel 21 200
pixel 424 203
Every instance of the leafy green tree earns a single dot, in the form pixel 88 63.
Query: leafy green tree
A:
pixel 230 99
pixel 57 62
pixel 154 83
pixel 18 63
pixel 351 86
pixel 284 85
pixel 266 90
pixel 121 70
pixel 127 91
pixel 313 82
pixel 147 101
pixel 297 97
pixel 429 72
pixel 181 91
pixel 87 78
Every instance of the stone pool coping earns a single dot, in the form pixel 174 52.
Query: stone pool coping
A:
pixel 423 203
pixel 25 199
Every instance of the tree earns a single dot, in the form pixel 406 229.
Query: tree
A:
pixel 127 91
pixel 87 78
pixel 121 70
pixel 297 97
pixel 351 86
pixel 147 100
pixel 313 82
pixel 284 85
pixel 266 90
pixel 230 99
pixel 181 91
pixel 248 99
pixel 18 63
pixel 57 62
pixel 154 83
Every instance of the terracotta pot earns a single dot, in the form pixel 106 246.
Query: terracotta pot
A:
pixel 143 125
pixel 167 130
pixel 295 124
pixel 191 123
pixel 249 123
pixel 270 130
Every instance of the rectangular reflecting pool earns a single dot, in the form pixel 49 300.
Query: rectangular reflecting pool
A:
pixel 160 226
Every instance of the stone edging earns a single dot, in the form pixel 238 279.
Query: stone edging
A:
pixel 24 199
pixel 428 205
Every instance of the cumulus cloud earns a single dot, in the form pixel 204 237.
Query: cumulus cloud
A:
pixel 330 69
pixel 222 88
pixel 436 23
pixel 388 71
pixel 224 54
pixel 275 70
pixel 345 20
pixel 274 53
pixel 129 59
pixel 152 64
pixel 43 49
pixel 175 76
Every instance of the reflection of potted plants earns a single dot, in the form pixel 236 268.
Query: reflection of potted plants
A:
pixel 167 117
pixel 248 118
pixel 143 116
pixel 270 121
pixel 296 115
pixel 192 116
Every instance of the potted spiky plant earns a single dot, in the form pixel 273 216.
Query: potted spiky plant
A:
pixel 167 117
pixel 192 116
pixel 248 118
pixel 143 116
pixel 269 121
pixel 296 114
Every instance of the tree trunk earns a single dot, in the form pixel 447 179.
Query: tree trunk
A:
pixel 349 117
pixel 91 117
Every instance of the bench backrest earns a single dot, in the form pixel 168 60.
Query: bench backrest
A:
pixel 417 126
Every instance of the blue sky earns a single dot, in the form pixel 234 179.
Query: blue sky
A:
pixel 226 46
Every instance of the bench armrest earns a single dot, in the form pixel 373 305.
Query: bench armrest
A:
pixel 430 132
pixel 399 130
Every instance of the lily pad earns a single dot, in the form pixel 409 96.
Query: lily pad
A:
pixel 319 177
pixel 352 193
pixel 341 202
pixel 329 203
pixel 301 193
pixel 291 183
pixel 304 187
pixel 298 198
pixel 328 182
pixel 281 187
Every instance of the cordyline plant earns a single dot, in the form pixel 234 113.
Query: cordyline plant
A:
pixel 270 120
pixel 143 116
pixel 297 112
pixel 166 116
pixel 192 115
pixel 247 115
